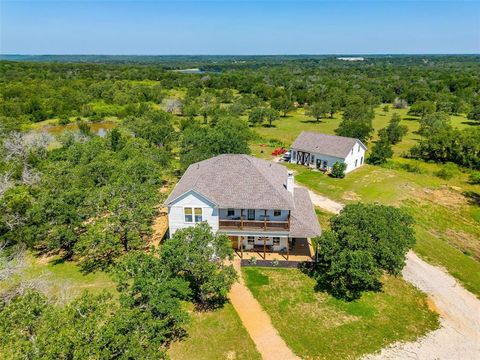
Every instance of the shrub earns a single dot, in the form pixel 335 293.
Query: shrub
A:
pixel 413 168
pixel 253 260
pixel 64 121
pixel 447 171
pixel 475 178
pixel 275 262
pixel 338 170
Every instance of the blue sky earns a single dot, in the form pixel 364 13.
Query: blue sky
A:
pixel 239 27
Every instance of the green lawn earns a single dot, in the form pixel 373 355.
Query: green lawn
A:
pixel 217 334
pixel 447 222
pixel 447 226
pixel 317 326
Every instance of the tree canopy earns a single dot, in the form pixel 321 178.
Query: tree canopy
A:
pixel 364 241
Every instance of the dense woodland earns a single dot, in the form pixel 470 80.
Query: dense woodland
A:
pixel 92 199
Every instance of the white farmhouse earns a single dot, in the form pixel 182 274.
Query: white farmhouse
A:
pixel 253 201
pixel 321 151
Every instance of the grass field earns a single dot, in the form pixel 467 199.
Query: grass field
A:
pixel 286 129
pixel 447 212
pixel 215 335
pixel 318 326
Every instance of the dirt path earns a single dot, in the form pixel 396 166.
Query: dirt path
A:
pixel 459 334
pixel 325 203
pixel 257 322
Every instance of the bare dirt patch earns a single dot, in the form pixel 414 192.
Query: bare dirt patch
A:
pixel 351 196
pixel 160 226
pixel 446 196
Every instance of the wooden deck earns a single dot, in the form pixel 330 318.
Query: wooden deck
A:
pixel 265 225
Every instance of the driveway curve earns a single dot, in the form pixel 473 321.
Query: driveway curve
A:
pixel 459 334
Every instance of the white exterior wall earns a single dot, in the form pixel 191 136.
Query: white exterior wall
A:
pixel 191 199
pixel 357 155
pixel 258 214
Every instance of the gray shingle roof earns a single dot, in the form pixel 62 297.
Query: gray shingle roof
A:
pixel 304 221
pixel 237 181
pixel 331 145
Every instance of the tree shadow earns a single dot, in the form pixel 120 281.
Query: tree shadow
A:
pixel 311 121
pixel 312 269
pixel 268 126
pixel 471 123
pixel 472 197
pixel 410 119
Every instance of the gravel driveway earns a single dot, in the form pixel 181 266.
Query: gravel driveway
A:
pixel 459 334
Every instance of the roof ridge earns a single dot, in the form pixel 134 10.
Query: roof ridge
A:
pixel 270 163
pixel 331 135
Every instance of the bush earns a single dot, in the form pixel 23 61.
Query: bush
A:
pixel 475 178
pixel 447 171
pixel 64 121
pixel 338 170
pixel 413 168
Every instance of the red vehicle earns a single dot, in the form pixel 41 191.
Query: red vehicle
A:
pixel 279 151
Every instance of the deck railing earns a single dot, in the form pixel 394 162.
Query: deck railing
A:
pixel 254 224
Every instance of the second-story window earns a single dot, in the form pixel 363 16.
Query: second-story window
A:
pixel 231 212
pixel 277 212
pixel 188 214
pixel 198 214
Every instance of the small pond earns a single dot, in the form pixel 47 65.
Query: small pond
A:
pixel 99 128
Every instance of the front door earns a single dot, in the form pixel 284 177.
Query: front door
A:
pixel 251 214
pixel 319 163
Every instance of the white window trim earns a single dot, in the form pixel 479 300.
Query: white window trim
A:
pixel 192 215
pixel 185 215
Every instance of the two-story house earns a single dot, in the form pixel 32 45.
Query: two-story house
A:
pixel 253 201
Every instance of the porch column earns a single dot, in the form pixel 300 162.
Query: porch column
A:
pixel 288 247
pixel 241 246
pixel 264 247
pixel 241 219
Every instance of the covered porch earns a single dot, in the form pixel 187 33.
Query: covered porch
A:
pixel 298 249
